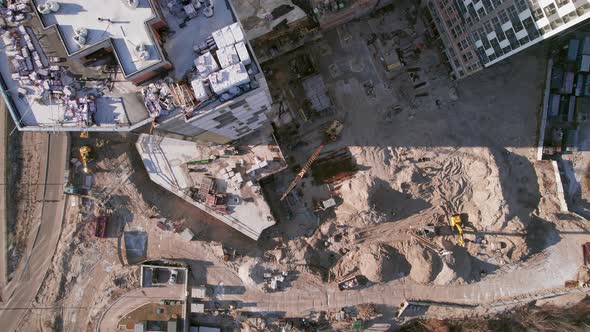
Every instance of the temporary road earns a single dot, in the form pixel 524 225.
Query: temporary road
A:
pixel 21 291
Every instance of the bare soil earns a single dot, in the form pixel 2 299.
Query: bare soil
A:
pixel 24 176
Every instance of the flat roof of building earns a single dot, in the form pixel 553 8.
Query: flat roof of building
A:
pixel 34 88
pixel 180 45
pixel 124 25
pixel 181 166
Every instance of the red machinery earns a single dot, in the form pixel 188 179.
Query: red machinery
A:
pixel 100 226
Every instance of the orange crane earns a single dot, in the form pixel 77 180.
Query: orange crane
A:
pixel 304 170
pixel 332 133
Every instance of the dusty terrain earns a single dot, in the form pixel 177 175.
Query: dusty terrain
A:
pixel 25 172
pixel 458 149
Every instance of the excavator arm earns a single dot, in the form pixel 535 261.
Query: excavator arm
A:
pixel 85 156
pixel 456 222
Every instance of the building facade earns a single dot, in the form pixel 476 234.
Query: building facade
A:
pixel 226 122
pixel 479 33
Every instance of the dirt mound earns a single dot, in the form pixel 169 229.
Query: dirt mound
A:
pixel 425 263
pixel 377 262
pixel 251 272
pixel 456 268
pixel 402 182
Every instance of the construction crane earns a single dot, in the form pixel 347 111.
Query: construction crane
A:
pixel 332 133
pixel 85 156
pixel 304 170
pixel 457 221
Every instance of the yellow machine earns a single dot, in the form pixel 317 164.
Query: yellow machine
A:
pixel 457 222
pixel 85 156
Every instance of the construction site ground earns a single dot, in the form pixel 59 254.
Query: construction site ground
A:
pixel 465 147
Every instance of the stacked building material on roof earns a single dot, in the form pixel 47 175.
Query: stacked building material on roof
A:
pixel 229 77
pixel 228 56
pixel 243 53
pixel 206 65
pixel 158 98
pixel 199 89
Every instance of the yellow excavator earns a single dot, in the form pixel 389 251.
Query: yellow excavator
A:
pixel 457 222
pixel 85 156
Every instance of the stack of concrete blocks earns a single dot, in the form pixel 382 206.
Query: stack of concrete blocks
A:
pixel 233 178
pixel 223 80
pixel 258 164
pixel 199 89
pixel 233 57
pixel 228 56
pixel 206 65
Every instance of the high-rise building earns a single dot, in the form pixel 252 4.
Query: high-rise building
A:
pixel 479 33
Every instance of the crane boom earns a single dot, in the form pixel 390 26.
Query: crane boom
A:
pixel 304 170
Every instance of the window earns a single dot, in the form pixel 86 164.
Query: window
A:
pixel 488 27
pixel 550 10
pixel 463 44
pixel 481 13
pixel 488 5
pixel 516 24
pixel 555 23
pixel 521 5
pixel 583 9
pixel 561 3
pixel 467 56
pixel 570 16
pixel 498 27
pixel 503 16
pixel 524 40
pixel 538 14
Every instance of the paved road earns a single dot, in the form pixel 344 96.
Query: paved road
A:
pixel 22 289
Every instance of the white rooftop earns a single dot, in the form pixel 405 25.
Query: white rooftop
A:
pixel 165 160
pixel 42 111
pixel 124 24
pixel 179 46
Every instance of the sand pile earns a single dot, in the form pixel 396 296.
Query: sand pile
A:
pixel 377 262
pixel 251 272
pixel 426 264
pixel 402 182
pixel 456 268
